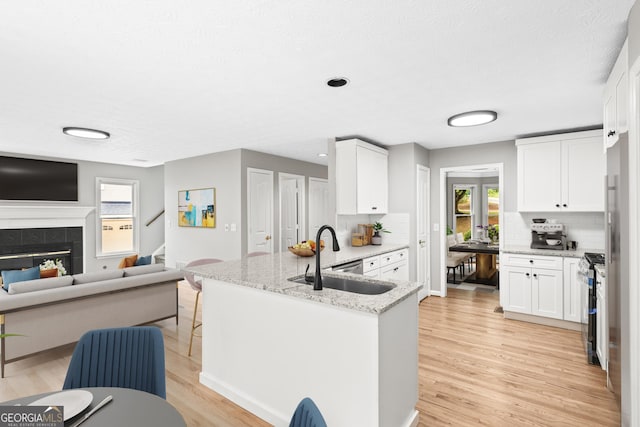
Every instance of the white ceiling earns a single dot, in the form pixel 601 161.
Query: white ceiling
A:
pixel 175 79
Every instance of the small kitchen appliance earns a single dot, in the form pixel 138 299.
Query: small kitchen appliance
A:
pixel 547 236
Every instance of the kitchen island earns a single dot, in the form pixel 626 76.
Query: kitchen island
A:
pixel 268 342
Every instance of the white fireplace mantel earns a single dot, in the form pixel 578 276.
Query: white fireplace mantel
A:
pixel 43 216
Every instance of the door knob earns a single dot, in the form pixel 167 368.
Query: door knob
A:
pixel 421 242
pixel 267 237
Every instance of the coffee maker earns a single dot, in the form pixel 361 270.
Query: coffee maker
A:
pixel 547 236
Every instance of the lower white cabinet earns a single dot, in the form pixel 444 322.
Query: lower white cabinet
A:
pixel 390 266
pixel 571 286
pixel 602 322
pixel 532 290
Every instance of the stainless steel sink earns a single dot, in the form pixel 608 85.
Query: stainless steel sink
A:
pixel 350 285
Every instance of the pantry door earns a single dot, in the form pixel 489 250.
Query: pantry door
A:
pixel 259 210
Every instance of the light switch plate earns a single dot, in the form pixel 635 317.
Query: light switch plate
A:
pixel 436 226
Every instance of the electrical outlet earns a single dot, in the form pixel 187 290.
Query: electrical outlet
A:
pixel 226 227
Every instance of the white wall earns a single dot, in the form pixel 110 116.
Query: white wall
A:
pixel 151 202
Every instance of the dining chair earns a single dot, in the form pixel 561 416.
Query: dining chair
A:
pixel 196 285
pixel 307 414
pixel 130 357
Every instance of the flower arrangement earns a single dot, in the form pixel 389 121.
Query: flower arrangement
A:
pixel 492 231
pixel 49 264
pixel 377 227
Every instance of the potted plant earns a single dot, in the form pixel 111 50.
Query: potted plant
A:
pixel 378 228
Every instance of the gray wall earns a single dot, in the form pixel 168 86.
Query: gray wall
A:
pixel 227 173
pixel 403 161
pixel 496 152
pixel 255 159
pixel 151 202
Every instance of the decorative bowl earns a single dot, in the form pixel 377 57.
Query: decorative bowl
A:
pixel 303 252
pixel 553 242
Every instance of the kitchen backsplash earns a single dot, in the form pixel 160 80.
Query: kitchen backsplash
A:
pixel 396 223
pixel 587 228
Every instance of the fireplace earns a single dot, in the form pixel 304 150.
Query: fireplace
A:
pixel 29 247
pixel 55 230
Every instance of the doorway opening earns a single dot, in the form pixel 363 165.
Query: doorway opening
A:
pixel 470 217
pixel 291 189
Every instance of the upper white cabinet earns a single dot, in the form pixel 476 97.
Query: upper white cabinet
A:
pixel 561 173
pixel 616 100
pixel 361 178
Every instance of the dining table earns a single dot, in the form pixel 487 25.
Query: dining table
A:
pixel 486 266
pixel 128 407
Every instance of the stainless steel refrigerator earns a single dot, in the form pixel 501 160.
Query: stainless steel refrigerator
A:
pixel 617 261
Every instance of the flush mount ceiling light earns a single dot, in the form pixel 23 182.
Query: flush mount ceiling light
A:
pixel 86 133
pixel 472 118
pixel 337 82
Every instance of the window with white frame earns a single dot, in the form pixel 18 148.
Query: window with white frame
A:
pixel 463 210
pixel 117 216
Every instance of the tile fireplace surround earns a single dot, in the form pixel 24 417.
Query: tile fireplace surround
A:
pixel 45 228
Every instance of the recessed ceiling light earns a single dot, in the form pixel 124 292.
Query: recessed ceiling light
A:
pixel 337 82
pixel 472 118
pixel 322 154
pixel 86 133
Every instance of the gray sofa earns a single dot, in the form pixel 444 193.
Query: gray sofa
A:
pixel 52 312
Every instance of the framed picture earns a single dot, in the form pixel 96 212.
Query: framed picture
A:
pixel 197 208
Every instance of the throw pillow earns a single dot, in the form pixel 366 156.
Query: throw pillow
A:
pixel 143 260
pixel 52 272
pixel 128 261
pixel 12 276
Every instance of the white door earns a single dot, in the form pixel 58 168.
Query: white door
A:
pixel 515 289
pixel 259 210
pixel 291 188
pixel 572 288
pixel 422 261
pixel 318 205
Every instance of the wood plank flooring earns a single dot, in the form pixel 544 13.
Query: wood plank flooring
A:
pixel 475 368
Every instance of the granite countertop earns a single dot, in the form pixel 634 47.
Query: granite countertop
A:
pixel 578 253
pixel 271 273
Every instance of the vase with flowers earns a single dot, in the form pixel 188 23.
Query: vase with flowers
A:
pixel 51 268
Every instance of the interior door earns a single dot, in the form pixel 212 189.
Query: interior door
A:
pixel 318 205
pixel 259 210
pixel 422 261
pixel 289 212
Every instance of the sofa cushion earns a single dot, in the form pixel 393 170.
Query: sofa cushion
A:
pixel 143 260
pixel 12 276
pixel 79 279
pixel 40 284
pixel 143 269
pixel 128 261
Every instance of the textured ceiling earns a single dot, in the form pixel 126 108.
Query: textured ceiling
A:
pixel 175 79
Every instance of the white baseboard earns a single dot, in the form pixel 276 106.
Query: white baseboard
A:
pixel 436 293
pixel 547 321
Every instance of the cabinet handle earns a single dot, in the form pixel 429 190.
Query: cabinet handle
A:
pixel 611 133
pixel 371 264
pixel 373 208
pixel 401 254
pixel 564 205
pixel 531 261
pixel 396 269
pixel 535 275
pixel 557 205
pixel 388 259
pixel 527 274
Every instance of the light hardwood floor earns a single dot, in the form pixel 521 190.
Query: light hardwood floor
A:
pixel 475 368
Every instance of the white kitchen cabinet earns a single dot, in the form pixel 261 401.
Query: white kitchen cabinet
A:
pixel 527 288
pixel 361 178
pixel 571 286
pixel 391 265
pixel 561 173
pixel 616 99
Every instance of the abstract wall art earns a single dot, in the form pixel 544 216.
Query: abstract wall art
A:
pixel 197 208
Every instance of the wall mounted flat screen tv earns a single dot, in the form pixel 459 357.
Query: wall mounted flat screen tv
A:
pixel 30 179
